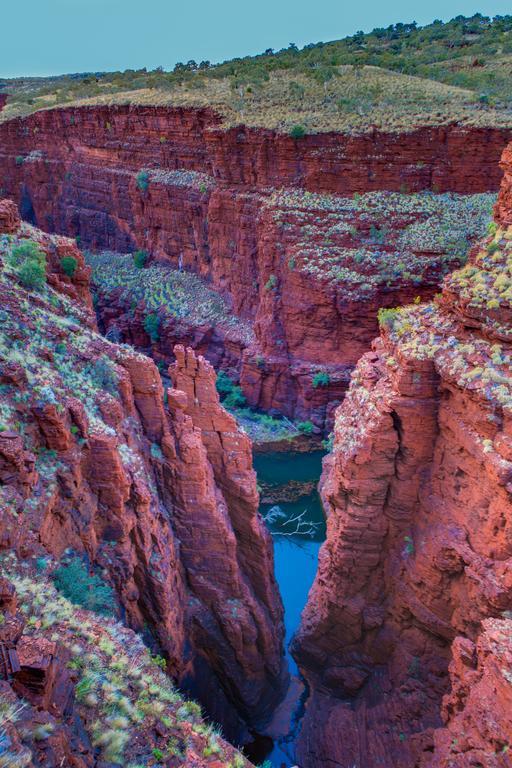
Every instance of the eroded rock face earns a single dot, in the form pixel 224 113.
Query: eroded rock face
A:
pixel 418 555
pixel 237 617
pixel 476 712
pixel 196 196
pixel 93 460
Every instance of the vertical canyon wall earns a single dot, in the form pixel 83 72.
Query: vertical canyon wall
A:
pixel 406 636
pixel 92 459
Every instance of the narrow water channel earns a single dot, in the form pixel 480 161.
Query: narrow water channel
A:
pixel 291 506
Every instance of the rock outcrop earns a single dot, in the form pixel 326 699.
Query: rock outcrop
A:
pixel 198 197
pixel 476 712
pixel 414 586
pixel 93 460
pixel 9 217
pixel 77 689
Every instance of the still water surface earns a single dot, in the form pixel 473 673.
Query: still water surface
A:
pixel 298 531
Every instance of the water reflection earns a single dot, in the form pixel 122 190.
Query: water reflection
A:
pixel 288 482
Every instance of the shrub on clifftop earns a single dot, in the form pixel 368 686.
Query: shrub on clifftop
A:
pixel 29 263
pixel 298 132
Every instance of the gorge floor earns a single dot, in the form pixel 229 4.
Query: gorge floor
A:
pixel 298 530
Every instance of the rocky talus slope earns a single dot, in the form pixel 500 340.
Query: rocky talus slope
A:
pixel 215 201
pixel 95 457
pixel 406 639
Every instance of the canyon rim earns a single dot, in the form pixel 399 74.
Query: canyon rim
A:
pixel 256 408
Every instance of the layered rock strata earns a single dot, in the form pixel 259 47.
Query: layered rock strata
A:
pixel 307 273
pixel 173 182
pixel 444 158
pixel 413 594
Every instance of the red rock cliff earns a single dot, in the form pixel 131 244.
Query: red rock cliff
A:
pixel 92 459
pixel 418 496
pixel 133 137
pixel 203 206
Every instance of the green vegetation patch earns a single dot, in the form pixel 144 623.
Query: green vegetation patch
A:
pixel 69 265
pixel 29 264
pixel 83 588
pixel 166 293
pixel 259 426
pixel 393 78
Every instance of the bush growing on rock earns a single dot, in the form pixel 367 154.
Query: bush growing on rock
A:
pixel 151 326
pixel 386 316
pixel 224 384
pixel 29 263
pixel 69 265
pixel 298 132
pixel 32 274
pixel 321 379
pixel 140 258
pixel 142 181
pixel 230 394
pixel 29 250
pixel 271 283
pixel 75 583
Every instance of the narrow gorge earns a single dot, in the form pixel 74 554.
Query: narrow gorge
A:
pixel 255 431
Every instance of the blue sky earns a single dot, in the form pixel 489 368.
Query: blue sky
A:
pixel 43 37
